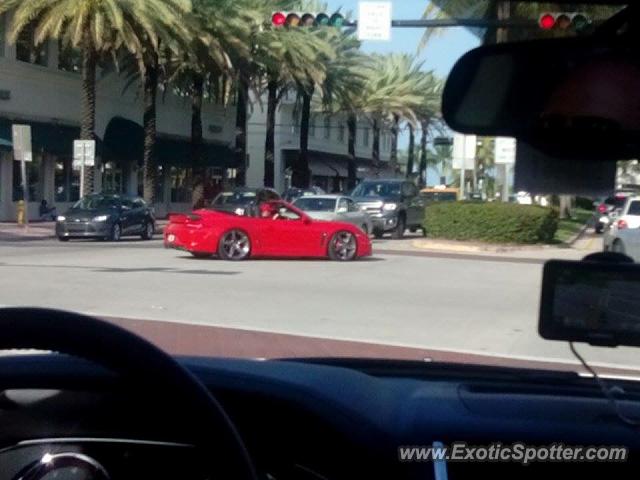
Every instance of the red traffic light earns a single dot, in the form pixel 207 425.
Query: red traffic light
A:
pixel 278 19
pixel 547 21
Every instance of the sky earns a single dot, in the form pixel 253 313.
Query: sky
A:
pixel 439 55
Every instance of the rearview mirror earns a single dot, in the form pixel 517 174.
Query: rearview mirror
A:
pixel 593 302
pixel 569 97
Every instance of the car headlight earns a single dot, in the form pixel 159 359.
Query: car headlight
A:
pixel 61 218
pixel 239 211
pixel 101 218
pixel 390 206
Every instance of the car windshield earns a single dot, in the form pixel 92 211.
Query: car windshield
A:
pixel 210 124
pixel 373 189
pixel 312 204
pixel 93 202
pixel 634 208
pixel 234 198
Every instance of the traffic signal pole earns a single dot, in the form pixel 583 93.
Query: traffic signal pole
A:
pixel 504 11
pixel 461 22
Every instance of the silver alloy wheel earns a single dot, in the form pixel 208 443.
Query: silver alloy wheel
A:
pixel 116 233
pixel 343 246
pixel 235 245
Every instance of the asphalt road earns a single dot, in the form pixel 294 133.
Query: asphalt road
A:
pixel 459 303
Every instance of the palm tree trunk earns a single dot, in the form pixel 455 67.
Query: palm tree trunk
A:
pixel 241 130
pixel 301 169
pixel 412 145
pixel 149 126
pixel 375 151
pixel 352 125
pixel 197 92
pixel 422 181
pixel 88 102
pixel 395 128
pixel 269 147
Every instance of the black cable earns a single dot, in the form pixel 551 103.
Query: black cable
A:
pixel 607 392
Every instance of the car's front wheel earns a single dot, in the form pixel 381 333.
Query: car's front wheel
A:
pixel 234 245
pixel 116 233
pixel 148 231
pixel 343 246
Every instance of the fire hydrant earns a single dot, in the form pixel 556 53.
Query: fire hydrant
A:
pixel 21 212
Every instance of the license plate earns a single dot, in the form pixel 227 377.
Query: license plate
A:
pixel 171 238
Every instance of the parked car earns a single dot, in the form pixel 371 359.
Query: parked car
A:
pixel 338 208
pixel 608 208
pixel 393 205
pixel 627 219
pixel 281 230
pixel 292 194
pixel 243 200
pixel 106 216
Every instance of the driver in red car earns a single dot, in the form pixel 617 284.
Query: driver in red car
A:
pixel 268 210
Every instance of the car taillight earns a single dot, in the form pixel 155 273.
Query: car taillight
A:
pixel 621 224
pixel 602 208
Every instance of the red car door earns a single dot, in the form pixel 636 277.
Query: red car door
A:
pixel 287 236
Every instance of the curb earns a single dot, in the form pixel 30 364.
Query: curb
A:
pixel 578 235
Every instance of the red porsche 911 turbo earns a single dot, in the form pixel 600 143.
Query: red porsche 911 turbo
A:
pixel 278 230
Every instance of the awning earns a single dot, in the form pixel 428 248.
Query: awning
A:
pixel 325 164
pixel 45 137
pixel 124 140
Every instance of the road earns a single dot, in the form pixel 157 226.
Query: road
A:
pixel 460 303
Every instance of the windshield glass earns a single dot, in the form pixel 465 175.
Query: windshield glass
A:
pixel 93 202
pixel 436 250
pixel 311 204
pixel 381 189
pixel 234 198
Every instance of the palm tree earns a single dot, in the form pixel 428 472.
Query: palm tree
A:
pixel 428 115
pixel 96 27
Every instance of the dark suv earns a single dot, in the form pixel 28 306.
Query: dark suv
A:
pixel 394 205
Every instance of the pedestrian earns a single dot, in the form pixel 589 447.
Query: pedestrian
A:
pixel 47 213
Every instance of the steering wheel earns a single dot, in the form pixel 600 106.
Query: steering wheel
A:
pixel 131 356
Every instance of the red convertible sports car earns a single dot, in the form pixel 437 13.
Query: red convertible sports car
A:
pixel 278 230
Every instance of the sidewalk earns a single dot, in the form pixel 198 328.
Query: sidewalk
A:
pixel 11 231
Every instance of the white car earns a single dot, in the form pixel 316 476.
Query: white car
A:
pixel 625 227
pixel 338 208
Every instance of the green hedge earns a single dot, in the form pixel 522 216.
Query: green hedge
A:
pixel 494 222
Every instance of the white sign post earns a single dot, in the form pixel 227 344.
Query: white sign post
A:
pixel 464 156
pixel 22 152
pixel 84 155
pixel 374 21
pixel 505 155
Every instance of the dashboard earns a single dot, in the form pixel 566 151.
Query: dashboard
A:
pixel 299 420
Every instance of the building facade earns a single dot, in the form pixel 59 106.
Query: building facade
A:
pixel 41 87
pixel 328 147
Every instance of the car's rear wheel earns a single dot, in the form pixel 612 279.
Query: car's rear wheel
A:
pixel 343 246
pixel 617 247
pixel 116 233
pixel 398 232
pixel 234 245
pixel 63 239
pixel 148 231
pixel 378 233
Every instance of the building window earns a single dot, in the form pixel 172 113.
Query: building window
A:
pixel 180 185
pixel 341 129
pixel 33 180
pixel 69 59
pixel 365 136
pixel 66 181
pixel 27 50
pixel 312 126
pixel 327 127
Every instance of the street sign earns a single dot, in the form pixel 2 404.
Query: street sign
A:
pixel 464 151
pixel 84 153
pixel 374 21
pixel 21 136
pixel 505 150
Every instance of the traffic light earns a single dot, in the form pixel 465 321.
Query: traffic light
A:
pixel 564 20
pixel 298 19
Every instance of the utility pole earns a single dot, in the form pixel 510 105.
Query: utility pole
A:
pixel 504 12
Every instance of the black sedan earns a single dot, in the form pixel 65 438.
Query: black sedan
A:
pixel 106 217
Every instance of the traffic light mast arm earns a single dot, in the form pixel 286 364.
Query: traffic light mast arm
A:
pixel 460 22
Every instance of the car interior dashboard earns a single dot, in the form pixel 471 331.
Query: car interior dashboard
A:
pixel 313 419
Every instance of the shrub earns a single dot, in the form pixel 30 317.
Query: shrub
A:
pixel 491 222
